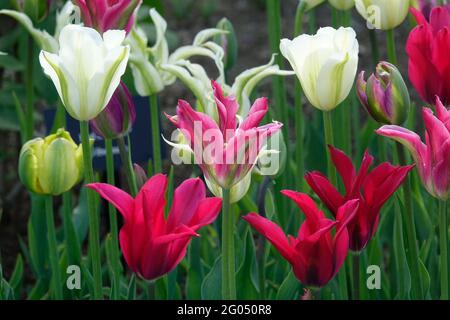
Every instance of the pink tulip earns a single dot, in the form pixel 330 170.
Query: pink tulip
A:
pixel 104 15
pixel 225 151
pixel 433 158
pixel 151 244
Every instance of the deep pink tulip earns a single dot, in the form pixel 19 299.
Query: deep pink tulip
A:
pixel 373 189
pixel 104 15
pixel 428 46
pixel 433 158
pixel 151 244
pixel 315 255
pixel 225 151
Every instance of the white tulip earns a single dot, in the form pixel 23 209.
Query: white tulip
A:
pixel 342 4
pixel 383 14
pixel 325 64
pixel 87 69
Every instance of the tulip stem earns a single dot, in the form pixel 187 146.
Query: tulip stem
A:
pixel 113 219
pixel 413 250
pixel 329 141
pixel 127 163
pixel 72 245
pixel 156 143
pixel 94 236
pixel 443 229
pixel 30 90
pixel 390 38
pixel 228 258
pixel 53 249
pixel 299 123
pixel 356 275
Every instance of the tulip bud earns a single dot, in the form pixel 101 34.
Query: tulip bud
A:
pixel 310 4
pixel 384 15
pixel 384 95
pixel 342 4
pixel 228 42
pixel 52 165
pixel 117 119
pixel 141 176
pixel 37 10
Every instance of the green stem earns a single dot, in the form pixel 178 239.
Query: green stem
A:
pixel 94 225
pixel 128 164
pixel 156 142
pixel 443 242
pixel 329 141
pixel 30 90
pixel 413 249
pixel 374 46
pixel 390 39
pixel 72 245
pixel 299 123
pixel 356 275
pixel 113 219
pixel 228 258
pixel 53 249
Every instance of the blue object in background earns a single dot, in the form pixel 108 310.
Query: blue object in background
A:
pixel 140 136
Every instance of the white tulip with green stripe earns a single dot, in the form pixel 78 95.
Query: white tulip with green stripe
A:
pixel 87 69
pixel 325 64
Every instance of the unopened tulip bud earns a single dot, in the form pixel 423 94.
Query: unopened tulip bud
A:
pixel 141 176
pixel 117 119
pixel 384 95
pixel 228 42
pixel 51 165
pixel 384 15
pixel 37 10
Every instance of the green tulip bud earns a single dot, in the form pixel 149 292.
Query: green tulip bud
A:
pixel 51 165
pixel 37 10
pixel 228 42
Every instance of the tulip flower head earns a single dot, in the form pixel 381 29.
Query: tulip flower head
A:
pixel 427 49
pixel 151 244
pixel 342 4
pixel 383 14
pixel 315 255
pixel 87 69
pixel 37 10
pixel 433 158
pixel 104 15
pixel 372 189
pixel 118 117
pixel 52 165
pixel 325 64
pixel 385 95
pixel 228 150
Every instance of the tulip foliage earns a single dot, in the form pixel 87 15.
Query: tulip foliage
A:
pixel 258 194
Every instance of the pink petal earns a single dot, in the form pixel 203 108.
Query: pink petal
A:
pixel 325 191
pixel 120 199
pixel 344 166
pixel 271 232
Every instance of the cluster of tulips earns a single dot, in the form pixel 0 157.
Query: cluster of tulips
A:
pixel 242 157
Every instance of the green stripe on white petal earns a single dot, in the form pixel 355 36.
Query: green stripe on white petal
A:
pixel 329 82
pixel 160 50
pixel 57 163
pixel 237 192
pixel 64 84
pixel 45 41
pixel 147 79
pixel 207 34
pixel 114 65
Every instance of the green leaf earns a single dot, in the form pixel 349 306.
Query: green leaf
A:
pixel 212 284
pixel 80 216
pixel 289 288
pixel 247 275
pixel 426 280
pixel 10 63
pixel 195 271
pixel 16 279
pixel 402 269
pixel 131 295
